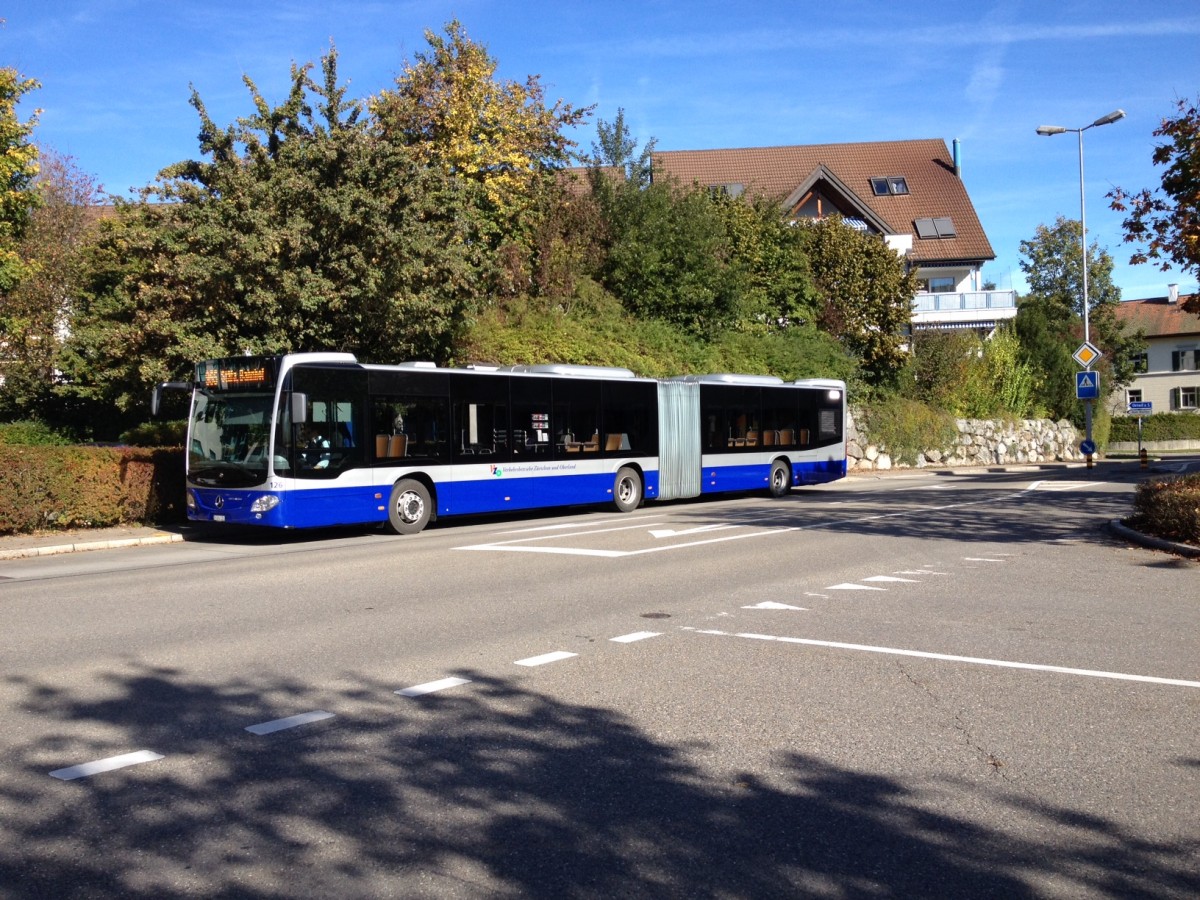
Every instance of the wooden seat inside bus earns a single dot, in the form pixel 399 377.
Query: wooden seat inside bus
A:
pixel 391 446
pixel 612 442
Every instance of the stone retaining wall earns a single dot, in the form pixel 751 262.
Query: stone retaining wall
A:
pixel 980 442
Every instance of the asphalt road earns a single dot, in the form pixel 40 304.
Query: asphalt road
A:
pixel 934 686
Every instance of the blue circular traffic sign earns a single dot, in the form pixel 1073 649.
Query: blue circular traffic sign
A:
pixel 1087 448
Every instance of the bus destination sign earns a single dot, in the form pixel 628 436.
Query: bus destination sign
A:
pixel 236 373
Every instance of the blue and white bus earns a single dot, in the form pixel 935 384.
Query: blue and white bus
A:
pixel 318 439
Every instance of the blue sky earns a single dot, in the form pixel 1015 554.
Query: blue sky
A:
pixel 115 80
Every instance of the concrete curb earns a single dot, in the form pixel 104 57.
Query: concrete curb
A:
pixel 55 549
pixel 1156 543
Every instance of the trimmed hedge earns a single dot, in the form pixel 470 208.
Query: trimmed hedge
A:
pixel 1169 508
pixel 88 487
pixel 1158 427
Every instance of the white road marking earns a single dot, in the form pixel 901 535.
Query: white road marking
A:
pixel 431 687
pixel 545 658
pixel 771 604
pixel 919 572
pixel 848 586
pixel 972 660
pixel 670 532
pixel 636 636
pixel 983 559
pixel 289 722
pixel 105 765
pixel 567 526
pixel 891 578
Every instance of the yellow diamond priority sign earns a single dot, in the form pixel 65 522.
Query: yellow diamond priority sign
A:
pixel 1086 354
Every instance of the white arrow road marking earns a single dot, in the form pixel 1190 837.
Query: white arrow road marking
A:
pixel 771 604
pixel 671 532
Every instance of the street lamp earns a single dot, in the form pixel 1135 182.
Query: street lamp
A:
pixel 1047 131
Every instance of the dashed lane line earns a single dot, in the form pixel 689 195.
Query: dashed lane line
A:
pixel 105 765
pixel 432 687
pixel 635 636
pixel 290 722
pixel 556 656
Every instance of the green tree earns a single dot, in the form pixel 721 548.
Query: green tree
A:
pixel 1166 221
pixel 616 149
pixel 298 229
pixel 671 258
pixel 1049 320
pixel 18 171
pixel 39 307
pixel 453 114
pixel 865 295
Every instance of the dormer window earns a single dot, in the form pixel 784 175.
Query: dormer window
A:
pixel 892 184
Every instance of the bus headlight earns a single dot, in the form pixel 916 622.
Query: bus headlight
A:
pixel 191 502
pixel 265 503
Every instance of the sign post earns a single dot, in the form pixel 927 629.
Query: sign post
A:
pixel 1141 409
pixel 1087 382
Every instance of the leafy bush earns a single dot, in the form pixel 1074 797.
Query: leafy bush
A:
pixel 156 434
pixel 1158 427
pixel 31 433
pixel 1169 508
pixel 907 427
pixel 68 487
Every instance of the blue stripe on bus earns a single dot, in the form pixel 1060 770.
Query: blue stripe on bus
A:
pixel 315 507
pixel 751 477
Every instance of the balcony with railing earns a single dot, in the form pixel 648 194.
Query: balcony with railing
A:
pixel 982 310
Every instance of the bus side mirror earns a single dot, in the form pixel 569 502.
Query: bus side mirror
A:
pixel 156 397
pixel 299 408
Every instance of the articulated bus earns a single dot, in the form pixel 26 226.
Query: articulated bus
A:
pixel 318 439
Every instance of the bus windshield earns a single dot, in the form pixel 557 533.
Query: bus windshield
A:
pixel 229 438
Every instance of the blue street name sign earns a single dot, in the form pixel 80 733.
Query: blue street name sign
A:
pixel 1141 407
pixel 1087 385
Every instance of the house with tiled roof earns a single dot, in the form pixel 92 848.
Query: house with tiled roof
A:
pixel 1170 370
pixel 910 193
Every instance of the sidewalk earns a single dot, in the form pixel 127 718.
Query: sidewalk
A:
pixel 49 543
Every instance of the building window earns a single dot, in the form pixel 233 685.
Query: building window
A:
pixel 1184 361
pixel 1133 395
pixel 1184 398
pixel 893 184
pixel 942 284
pixel 1140 362
pixel 933 229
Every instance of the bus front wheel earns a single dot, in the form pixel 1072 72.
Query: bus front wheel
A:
pixel 627 489
pixel 410 507
pixel 781 479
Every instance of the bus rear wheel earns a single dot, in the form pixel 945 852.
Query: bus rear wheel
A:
pixel 410 507
pixel 781 479
pixel 627 489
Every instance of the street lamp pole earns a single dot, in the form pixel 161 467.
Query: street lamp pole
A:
pixel 1047 131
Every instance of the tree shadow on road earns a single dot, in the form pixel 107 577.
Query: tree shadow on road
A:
pixel 497 790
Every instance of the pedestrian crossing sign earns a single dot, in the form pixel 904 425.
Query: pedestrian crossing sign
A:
pixel 1087 385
